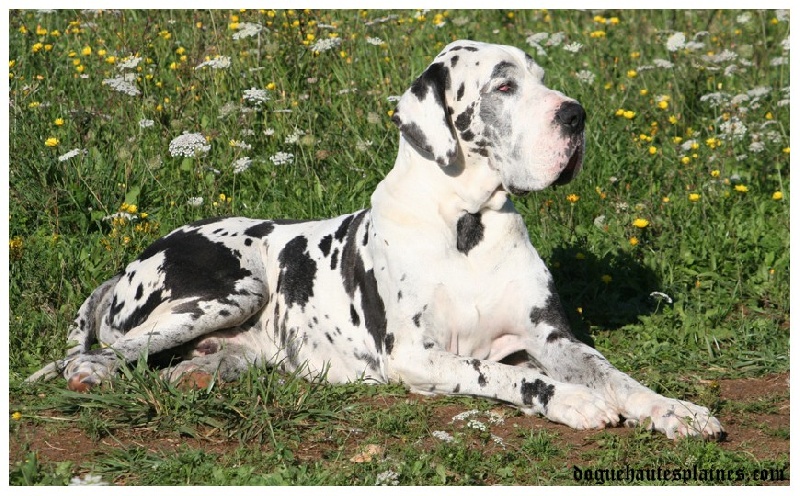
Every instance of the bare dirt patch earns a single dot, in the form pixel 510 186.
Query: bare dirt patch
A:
pixel 755 414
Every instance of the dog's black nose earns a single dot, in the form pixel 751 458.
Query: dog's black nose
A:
pixel 571 117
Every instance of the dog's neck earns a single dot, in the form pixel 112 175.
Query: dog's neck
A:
pixel 418 184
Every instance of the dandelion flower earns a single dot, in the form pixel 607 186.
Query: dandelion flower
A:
pixel 741 188
pixel 16 415
pixel 633 241
pixel 51 142
pixel 777 195
pixel 606 278
pixel 693 197
pixel 641 223
pixel 572 198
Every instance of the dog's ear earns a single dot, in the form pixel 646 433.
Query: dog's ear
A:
pixel 423 117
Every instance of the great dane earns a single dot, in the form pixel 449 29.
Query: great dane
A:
pixel 435 286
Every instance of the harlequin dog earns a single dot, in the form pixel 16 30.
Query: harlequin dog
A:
pixel 435 286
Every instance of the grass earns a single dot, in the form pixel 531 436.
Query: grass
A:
pixel 684 194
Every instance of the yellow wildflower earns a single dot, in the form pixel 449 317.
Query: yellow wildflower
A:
pixel 693 197
pixel 51 142
pixel 641 223
pixel 777 195
pixel 633 240
pixel 572 198
pixel 741 188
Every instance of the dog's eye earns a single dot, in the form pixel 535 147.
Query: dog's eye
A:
pixel 506 87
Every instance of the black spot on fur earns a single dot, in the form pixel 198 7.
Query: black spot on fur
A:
pixel 366 235
pixel 552 314
pixel 260 230
pixel 131 275
pixel 325 244
pixel 389 343
pixel 469 232
pixel 329 337
pixel 354 318
pixel 460 92
pixel 341 231
pixel 453 60
pixel 537 389
pixel 248 242
pixel 355 276
pixel 369 359
pixel 428 344
pixel 193 267
pixel 334 258
pixel 464 119
pixel 139 292
pixel 297 272
pixel 416 319
pixel 457 388
pixel 501 69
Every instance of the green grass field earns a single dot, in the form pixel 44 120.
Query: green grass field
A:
pixel 670 250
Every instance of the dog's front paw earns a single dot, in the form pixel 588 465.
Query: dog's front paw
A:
pixel 580 408
pixel 675 418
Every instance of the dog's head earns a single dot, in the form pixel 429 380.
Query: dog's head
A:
pixel 487 104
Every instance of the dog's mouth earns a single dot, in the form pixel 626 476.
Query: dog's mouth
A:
pixel 572 168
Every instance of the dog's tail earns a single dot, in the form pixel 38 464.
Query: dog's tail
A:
pixel 83 332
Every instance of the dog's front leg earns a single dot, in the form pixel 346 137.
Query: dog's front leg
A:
pixel 439 372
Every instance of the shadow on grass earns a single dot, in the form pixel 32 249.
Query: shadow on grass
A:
pixel 608 292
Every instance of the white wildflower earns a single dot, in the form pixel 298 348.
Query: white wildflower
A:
pixel 195 201
pixel 393 98
pixel 88 480
pixel 782 15
pixel 759 91
pixel 464 415
pixel 740 99
pixel 443 436
pixel 756 146
pixel 663 64
pixel 241 144
pixel 778 61
pixel 218 62
pixel 585 76
pixel 269 131
pixel 661 296
pixel 123 84
pixel 292 138
pixel 388 478
pixel 325 44
pixel 247 29
pixel 499 440
pixel 573 47
pixel 537 38
pixel 556 39
pixel 118 215
pixel 733 128
pixel 476 424
pixel 744 18
pixel 693 46
pixel 129 62
pixel 241 165
pixel 774 136
pixel 227 109
pixel 714 99
pixel 282 158
pixel 188 144
pixel 731 69
pixel 676 42
pixel 144 123
pixel 495 418
pixel 785 44
pixel 363 145
pixel 688 144
pixel 256 96
pixel 724 56
pixel 374 41
pixel 70 154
